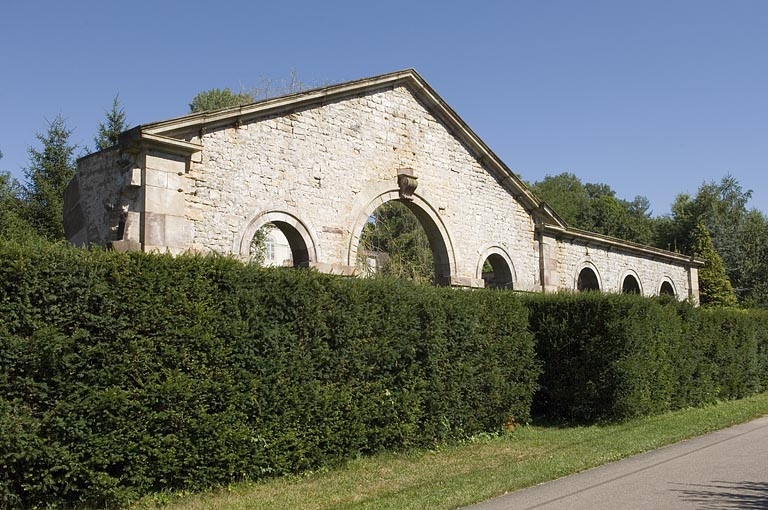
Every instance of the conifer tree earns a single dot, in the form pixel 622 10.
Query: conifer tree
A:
pixel 715 288
pixel 12 222
pixel 110 130
pixel 50 170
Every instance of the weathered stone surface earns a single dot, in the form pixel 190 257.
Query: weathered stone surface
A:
pixel 317 165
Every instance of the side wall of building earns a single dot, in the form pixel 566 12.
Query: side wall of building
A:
pixel 93 203
pixel 564 259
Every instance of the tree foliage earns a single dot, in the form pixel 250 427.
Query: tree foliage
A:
pixel 751 262
pixel 13 225
pixel 739 235
pixel 595 208
pixel 715 288
pixel 51 167
pixel 115 123
pixel 215 99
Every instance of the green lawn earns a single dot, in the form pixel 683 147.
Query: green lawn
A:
pixel 473 471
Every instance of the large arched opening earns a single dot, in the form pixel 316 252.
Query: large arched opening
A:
pixel 420 213
pixel 394 243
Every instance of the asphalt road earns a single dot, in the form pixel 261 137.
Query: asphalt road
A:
pixel 727 469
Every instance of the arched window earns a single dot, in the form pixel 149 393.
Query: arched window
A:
pixel 667 289
pixel 496 273
pixel 630 285
pixel 587 280
pixel 278 242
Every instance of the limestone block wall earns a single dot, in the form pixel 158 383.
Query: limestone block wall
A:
pixel 163 202
pixel 329 166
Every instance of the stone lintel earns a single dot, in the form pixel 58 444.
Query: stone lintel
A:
pixel 339 269
pixel 125 245
pixel 460 281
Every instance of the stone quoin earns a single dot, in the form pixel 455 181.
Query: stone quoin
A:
pixel 317 164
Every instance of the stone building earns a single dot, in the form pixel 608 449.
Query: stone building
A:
pixel 317 164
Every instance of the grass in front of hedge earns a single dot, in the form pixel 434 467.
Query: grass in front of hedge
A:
pixel 473 471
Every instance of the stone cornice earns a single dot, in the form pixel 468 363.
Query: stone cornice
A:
pixel 140 138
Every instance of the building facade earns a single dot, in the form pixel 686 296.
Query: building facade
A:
pixel 316 165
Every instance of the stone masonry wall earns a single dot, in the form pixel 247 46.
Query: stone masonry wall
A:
pixel 613 265
pixel 325 165
pixel 319 172
pixel 93 200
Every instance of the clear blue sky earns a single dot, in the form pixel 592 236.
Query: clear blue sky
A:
pixel 650 97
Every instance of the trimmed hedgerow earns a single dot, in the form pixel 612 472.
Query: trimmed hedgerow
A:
pixel 613 357
pixel 604 356
pixel 735 347
pixel 123 374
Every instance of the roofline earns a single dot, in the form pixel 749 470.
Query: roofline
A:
pixel 407 77
pixel 603 240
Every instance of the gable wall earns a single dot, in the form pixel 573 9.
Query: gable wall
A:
pixel 326 164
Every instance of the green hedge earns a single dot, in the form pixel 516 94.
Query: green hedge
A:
pixel 605 356
pixel 613 357
pixel 123 374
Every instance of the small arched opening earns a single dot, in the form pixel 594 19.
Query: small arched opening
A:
pixel 630 285
pixel 667 289
pixel 278 244
pixel 277 238
pixel 496 270
pixel 587 280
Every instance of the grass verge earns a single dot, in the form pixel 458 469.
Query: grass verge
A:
pixel 475 470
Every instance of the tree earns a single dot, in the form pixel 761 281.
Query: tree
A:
pixel 215 99
pixel 395 232
pixel 566 194
pixel 721 206
pixel 595 208
pixel 715 288
pixel 12 223
pixel 110 130
pixel 51 168
pixel 734 230
pixel 751 260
